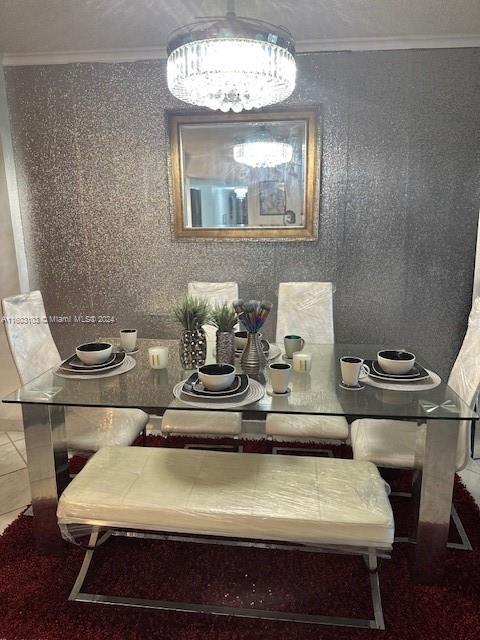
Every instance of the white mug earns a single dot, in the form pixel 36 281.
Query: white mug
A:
pixel 280 375
pixel 351 368
pixel 128 339
pixel 158 357
pixel 293 344
pixel 302 362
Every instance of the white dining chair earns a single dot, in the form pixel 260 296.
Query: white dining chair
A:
pixel 306 309
pixel 401 445
pixel 209 423
pixel 34 351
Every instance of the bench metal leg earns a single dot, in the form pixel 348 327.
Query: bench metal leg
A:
pixel 371 561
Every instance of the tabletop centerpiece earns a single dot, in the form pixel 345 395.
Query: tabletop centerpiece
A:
pixel 253 315
pixel 224 318
pixel 192 313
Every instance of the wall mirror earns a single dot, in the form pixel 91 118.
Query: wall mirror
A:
pixel 245 176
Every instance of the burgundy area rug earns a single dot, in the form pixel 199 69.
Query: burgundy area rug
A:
pixel 34 588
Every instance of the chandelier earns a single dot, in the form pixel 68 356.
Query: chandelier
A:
pixel 263 151
pixel 231 62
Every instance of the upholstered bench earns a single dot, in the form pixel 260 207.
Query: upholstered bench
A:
pixel 314 504
pixel 176 421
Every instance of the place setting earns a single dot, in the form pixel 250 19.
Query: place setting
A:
pixel 392 369
pixel 219 386
pixel 95 360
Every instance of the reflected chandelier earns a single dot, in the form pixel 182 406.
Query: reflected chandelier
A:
pixel 263 151
pixel 231 63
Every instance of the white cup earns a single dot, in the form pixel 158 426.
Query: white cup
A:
pixel 158 357
pixel 302 362
pixel 280 375
pixel 351 368
pixel 128 339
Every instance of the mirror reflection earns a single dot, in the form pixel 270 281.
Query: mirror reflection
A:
pixel 243 174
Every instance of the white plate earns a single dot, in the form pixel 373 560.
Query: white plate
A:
pixel 255 392
pixel 126 365
pixel 421 385
pixel 273 353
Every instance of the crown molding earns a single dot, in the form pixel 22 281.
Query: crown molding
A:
pixel 303 46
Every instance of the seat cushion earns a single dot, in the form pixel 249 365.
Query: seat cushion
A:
pixel 307 426
pixel 90 429
pixel 290 498
pixel 218 422
pixel 389 443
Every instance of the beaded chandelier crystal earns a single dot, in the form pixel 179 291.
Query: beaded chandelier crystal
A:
pixel 263 151
pixel 231 63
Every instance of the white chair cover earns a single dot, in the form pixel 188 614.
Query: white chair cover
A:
pixel 29 337
pixel 305 309
pixel 399 444
pixel 216 293
pixel 34 351
pixel 465 379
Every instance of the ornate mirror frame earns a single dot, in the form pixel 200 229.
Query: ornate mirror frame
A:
pixel 307 232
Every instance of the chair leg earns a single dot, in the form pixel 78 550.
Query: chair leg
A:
pixel 144 436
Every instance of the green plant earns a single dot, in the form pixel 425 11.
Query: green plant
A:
pixel 224 317
pixel 192 313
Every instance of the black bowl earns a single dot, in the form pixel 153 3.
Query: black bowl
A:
pixel 94 346
pixel 396 355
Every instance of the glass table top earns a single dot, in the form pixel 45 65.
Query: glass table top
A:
pixel 317 392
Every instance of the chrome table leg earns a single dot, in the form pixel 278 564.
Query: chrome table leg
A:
pixel 435 500
pixel 47 469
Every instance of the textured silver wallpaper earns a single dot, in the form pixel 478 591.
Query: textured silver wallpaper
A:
pixel 399 199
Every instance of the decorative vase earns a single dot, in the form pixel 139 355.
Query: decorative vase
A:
pixel 253 359
pixel 225 347
pixel 193 348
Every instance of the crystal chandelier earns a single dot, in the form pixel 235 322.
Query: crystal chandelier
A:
pixel 231 62
pixel 263 151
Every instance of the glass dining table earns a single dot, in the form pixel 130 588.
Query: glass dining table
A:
pixel 317 393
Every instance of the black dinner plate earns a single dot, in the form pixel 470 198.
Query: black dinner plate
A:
pixel 75 362
pixel 417 372
pixel 115 362
pixel 239 386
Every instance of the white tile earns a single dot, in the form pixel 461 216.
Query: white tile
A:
pixel 473 466
pixel 10 459
pixel 15 435
pixel 8 518
pixel 22 450
pixel 4 439
pixel 472 481
pixel 14 491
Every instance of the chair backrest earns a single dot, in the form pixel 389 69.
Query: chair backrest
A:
pixel 306 309
pixel 465 379
pixel 215 293
pixel 31 343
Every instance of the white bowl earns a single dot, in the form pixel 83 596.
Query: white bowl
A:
pixel 396 361
pixel 216 377
pixel 94 352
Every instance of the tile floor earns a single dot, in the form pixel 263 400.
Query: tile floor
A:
pixel 15 492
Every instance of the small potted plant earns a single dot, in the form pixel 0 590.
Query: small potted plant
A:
pixel 192 314
pixel 225 319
